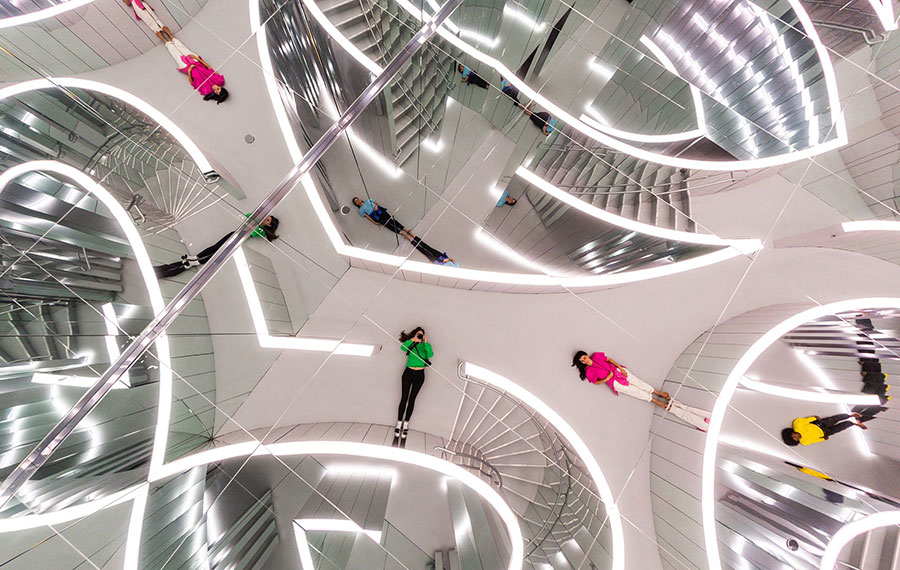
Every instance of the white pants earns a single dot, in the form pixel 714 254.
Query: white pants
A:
pixel 639 389
pixel 636 388
pixel 149 17
pixel 176 50
pixel 690 415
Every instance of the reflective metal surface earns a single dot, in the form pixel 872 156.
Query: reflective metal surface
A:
pixel 29 466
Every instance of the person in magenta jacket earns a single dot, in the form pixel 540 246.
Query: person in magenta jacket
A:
pixel 600 369
pixel 203 78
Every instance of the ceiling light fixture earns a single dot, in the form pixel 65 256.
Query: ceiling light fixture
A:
pixel 708 501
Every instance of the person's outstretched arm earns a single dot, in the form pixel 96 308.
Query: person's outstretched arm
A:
pixel 368 217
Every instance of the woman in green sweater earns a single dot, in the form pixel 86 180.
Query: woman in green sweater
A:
pixel 418 354
pixel 266 229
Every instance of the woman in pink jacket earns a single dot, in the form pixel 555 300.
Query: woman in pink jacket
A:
pixel 203 78
pixel 600 369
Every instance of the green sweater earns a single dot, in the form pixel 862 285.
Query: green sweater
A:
pixel 418 355
pixel 258 232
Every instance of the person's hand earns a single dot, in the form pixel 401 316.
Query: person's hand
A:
pixel 861 425
pixel 856 415
pixel 424 337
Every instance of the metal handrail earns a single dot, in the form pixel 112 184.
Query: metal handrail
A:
pixel 876 37
pixel 492 470
pixel 27 468
pixel 560 457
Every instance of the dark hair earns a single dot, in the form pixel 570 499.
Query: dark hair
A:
pixel 405 336
pixel 271 228
pixel 354 199
pixel 787 436
pixel 581 366
pixel 217 97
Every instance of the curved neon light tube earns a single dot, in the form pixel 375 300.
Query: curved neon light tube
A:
pixel 638 137
pixel 606 495
pixel 699 115
pixel 809 395
pixel 370 451
pixel 708 496
pixel 37 15
pixel 591 128
pixel 745 246
pixel 144 265
pixel 330 226
pixel 160 118
pixel 884 9
pixel 555 110
pixel 849 531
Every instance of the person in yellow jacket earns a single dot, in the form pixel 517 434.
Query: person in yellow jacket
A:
pixel 813 429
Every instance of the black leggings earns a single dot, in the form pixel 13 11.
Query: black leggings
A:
pixel 475 79
pixel 837 423
pixel 412 381
pixel 426 250
pixel 540 119
pixel 390 223
pixel 173 269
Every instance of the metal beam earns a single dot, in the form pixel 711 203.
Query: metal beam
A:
pixel 40 454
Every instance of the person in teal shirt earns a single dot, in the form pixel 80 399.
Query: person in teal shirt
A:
pixel 266 229
pixel 418 356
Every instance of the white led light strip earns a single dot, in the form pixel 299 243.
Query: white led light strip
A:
pixel 849 531
pixel 37 15
pixel 717 165
pixel 145 266
pixel 340 448
pixel 884 9
pixel 745 246
pixel 809 395
pixel 674 137
pixel 606 495
pixel 717 417
pixel 287 343
pixel 330 226
pixel 165 122
pixel 870 226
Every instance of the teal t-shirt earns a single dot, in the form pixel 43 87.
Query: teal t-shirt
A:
pixel 418 354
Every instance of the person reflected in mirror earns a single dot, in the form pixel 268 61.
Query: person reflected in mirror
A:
pixel 418 356
pixel 541 119
pixel 814 429
pixel 470 77
pixel 378 215
pixel 266 229
pixel 506 200
pixel 144 13
pixel 433 255
pixel 510 91
pixel 597 368
pixel 201 76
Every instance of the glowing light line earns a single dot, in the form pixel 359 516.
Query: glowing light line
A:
pixel 37 15
pixel 717 417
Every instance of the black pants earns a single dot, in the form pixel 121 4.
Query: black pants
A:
pixel 540 119
pixel 836 423
pixel 388 221
pixel 475 79
pixel 426 250
pixel 512 92
pixel 173 269
pixel 411 381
